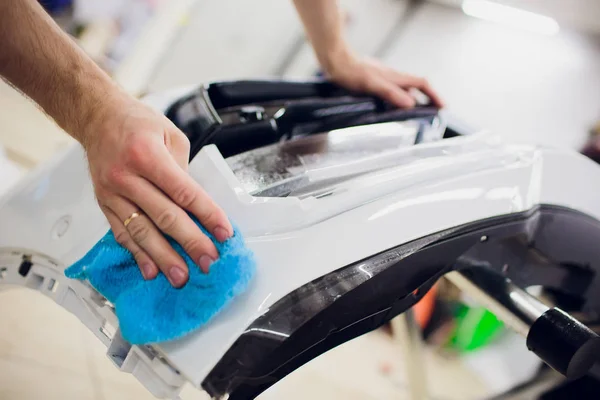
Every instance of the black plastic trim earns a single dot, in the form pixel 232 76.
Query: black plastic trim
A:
pixel 236 93
pixel 550 246
pixel 297 108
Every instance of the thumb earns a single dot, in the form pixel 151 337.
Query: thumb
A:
pixel 180 149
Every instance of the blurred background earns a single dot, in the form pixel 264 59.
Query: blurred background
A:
pixel 526 69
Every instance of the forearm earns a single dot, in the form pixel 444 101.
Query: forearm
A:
pixel 42 61
pixel 323 24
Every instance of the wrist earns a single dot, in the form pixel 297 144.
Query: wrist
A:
pixel 335 59
pixel 100 100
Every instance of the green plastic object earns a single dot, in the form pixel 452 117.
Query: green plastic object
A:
pixel 475 328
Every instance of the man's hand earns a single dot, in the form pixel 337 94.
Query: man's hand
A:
pixel 324 25
pixel 370 76
pixel 138 162
pixel 137 157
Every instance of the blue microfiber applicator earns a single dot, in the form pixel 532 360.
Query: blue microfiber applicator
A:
pixel 154 311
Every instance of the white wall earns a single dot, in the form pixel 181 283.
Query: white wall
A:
pixel 572 14
pixel 226 39
pixel 528 87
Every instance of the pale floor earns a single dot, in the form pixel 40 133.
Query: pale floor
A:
pixel 46 353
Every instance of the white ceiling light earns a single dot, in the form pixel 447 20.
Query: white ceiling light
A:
pixel 514 17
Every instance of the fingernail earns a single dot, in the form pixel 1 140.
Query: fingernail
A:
pixel 221 234
pixel 147 270
pixel 177 276
pixel 205 262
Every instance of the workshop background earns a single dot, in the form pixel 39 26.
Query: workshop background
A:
pixel 531 77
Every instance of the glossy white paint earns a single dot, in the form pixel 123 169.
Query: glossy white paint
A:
pixel 312 237
pixel 448 183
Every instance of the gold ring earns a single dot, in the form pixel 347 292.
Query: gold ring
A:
pixel 128 220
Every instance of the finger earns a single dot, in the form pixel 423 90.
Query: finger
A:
pixel 409 81
pixel 147 266
pixel 145 234
pixel 172 220
pixel 188 194
pixel 390 92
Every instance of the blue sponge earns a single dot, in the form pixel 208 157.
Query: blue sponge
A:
pixel 154 311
